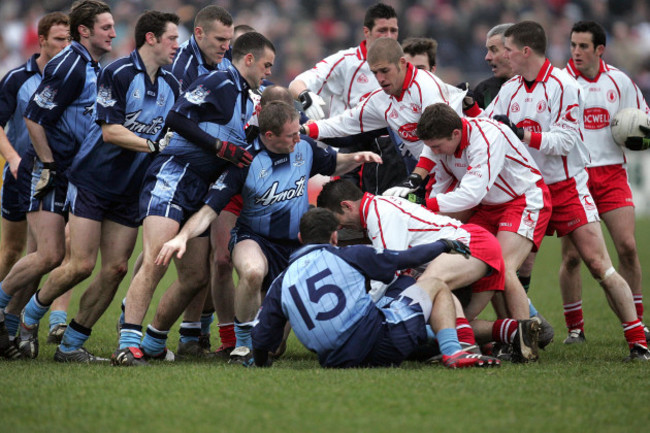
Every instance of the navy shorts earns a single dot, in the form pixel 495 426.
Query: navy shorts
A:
pixel 171 190
pixel 276 254
pixel 10 200
pixel 85 204
pixel 29 172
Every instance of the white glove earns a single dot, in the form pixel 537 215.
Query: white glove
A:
pixel 159 146
pixel 406 187
pixel 312 105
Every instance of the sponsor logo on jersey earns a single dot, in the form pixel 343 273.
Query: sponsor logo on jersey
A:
pixel 530 125
pixel 572 113
pixel 45 99
pixel 153 128
pixel 263 173
pixel 105 97
pixel 611 95
pixel 362 78
pixel 596 118
pixel 541 106
pixel 515 108
pixel 197 96
pixel 272 195
pixel 407 132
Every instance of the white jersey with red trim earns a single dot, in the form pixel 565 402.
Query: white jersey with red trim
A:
pixel 491 163
pixel 551 109
pixel 605 95
pixel 419 90
pixel 342 79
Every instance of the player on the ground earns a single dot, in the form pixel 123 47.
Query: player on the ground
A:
pixel 134 96
pixel 208 123
pixel 16 89
pixel 544 106
pixel 397 224
pixel 58 118
pixel 323 295
pixel 607 90
pixel 274 192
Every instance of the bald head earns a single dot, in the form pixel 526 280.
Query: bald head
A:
pixel 276 93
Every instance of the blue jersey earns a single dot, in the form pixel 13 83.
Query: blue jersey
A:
pixel 16 89
pixel 273 188
pixel 189 63
pixel 125 96
pixel 323 295
pixel 220 104
pixel 64 101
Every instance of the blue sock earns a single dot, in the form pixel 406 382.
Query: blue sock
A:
pixel 11 323
pixel 4 298
pixel 74 337
pixel 532 309
pixel 130 335
pixel 430 334
pixel 190 331
pixel 154 341
pixel 58 317
pixel 243 333
pixel 206 321
pixel 448 341
pixel 34 311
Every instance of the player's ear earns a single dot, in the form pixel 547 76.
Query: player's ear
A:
pixel 300 238
pixel 334 238
pixel 198 33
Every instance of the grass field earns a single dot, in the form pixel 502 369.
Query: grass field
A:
pixel 571 389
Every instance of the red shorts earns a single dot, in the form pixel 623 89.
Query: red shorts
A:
pixel 486 248
pixel 527 215
pixel 609 187
pixel 235 205
pixel 573 206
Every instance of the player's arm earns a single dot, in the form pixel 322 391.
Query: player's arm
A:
pixel 120 136
pixel 39 140
pixel 8 104
pixel 346 162
pixel 9 153
pixel 197 224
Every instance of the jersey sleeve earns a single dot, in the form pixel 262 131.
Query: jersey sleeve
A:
pixel 363 117
pixel 9 87
pixel 228 185
pixel 112 90
pixel 631 95
pixel 323 78
pixel 211 98
pixel 324 159
pixel 386 228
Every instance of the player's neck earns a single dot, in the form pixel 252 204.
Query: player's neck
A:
pixel 149 64
pixel 533 68
pixel 41 61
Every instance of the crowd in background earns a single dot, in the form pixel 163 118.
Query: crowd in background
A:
pixel 306 31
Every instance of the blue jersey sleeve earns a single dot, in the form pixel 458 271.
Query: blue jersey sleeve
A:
pixel 324 161
pixel 209 99
pixel 8 91
pixel 268 333
pixel 229 184
pixel 112 90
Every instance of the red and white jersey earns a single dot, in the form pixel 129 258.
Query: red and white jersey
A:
pixel 605 95
pixel 491 163
pixel 551 109
pixel 401 113
pixel 342 79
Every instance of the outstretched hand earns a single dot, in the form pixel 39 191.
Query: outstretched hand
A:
pixel 174 245
pixel 363 157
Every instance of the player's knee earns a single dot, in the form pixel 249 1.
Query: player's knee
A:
pixel 253 276
pixel 50 260
pixel 11 253
pixel 571 261
pixel 627 251
pixel 118 271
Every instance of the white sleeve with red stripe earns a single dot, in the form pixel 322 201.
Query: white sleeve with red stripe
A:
pixel 323 78
pixel 366 116
pixel 387 229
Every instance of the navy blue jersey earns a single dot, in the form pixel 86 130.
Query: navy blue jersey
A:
pixel 16 89
pixel 64 101
pixel 273 188
pixel 189 63
pixel 125 96
pixel 322 294
pixel 219 103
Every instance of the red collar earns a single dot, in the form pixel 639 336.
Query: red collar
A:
pixel 464 138
pixel 363 209
pixel 542 76
pixel 602 67
pixel 411 72
pixel 362 51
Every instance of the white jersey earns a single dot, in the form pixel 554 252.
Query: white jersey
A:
pixel 491 163
pixel 419 90
pixel 343 79
pixel 551 109
pixel 608 93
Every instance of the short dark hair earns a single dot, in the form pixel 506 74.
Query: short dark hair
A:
pixel 275 115
pixel 154 22
pixel 376 12
pixel 50 20
pixel 598 35
pixel 243 28
pixel 251 42
pixel 528 34
pixel 210 14
pixel 336 191
pixel 438 121
pixel 84 13
pixel 415 46
pixel 317 226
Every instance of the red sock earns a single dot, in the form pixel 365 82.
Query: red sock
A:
pixel 227 334
pixel 464 331
pixel 573 316
pixel 634 333
pixel 638 304
pixel 504 330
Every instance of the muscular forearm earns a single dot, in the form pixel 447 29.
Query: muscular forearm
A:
pixel 120 136
pixel 198 223
pixel 296 87
pixel 39 141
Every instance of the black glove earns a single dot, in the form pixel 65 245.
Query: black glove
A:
pixel 405 187
pixel 639 143
pixel 233 153
pixel 504 119
pixel 46 181
pixel 470 97
pixel 457 247
pixel 252 132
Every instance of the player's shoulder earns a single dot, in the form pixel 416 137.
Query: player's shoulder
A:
pixel 16 77
pixel 616 74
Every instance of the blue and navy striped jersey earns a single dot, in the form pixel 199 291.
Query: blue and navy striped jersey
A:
pixel 273 188
pixel 125 96
pixel 16 89
pixel 189 63
pixel 64 101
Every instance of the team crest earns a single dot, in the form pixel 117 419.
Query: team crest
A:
pixel 416 108
pixel 611 96
pixel 105 97
pixel 541 106
pixel 362 78
pixel 45 99
pixel 299 160
pixel 198 95
pixel 393 114
pixel 220 184
pixel 136 94
pixel 589 205
pixel 515 108
pixel 263 173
